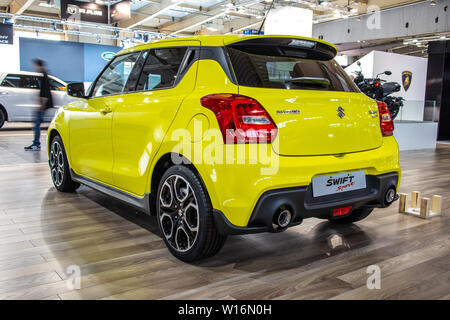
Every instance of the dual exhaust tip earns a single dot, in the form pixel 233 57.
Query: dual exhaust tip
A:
pixel 282 219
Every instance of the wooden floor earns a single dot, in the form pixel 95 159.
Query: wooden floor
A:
pixel 122 256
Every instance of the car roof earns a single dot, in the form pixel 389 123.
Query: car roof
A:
pixel 29 73
pixel 214 41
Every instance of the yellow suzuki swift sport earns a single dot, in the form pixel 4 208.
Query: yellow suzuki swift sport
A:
pixel 227 135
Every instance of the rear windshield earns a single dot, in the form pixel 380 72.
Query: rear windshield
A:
pixel 261 71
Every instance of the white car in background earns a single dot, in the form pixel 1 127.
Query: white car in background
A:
pixel 19 93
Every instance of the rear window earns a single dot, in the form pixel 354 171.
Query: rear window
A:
pixel 261 71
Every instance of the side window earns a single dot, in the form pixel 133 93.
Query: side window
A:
pixel 20 81
pixel 11 81
pixel 161 68
pixel 56 86
pixel 115 76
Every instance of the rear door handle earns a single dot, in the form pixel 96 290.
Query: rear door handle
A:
pixel 105 110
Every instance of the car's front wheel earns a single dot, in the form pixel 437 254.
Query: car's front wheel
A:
pixel 184 215
pixel 59 167
pixel 2 118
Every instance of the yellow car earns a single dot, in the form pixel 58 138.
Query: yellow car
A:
pixel 225 135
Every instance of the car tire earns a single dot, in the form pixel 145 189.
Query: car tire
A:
pixel 59 167
pixel 184 214
pixel 356 215
pixel 2 117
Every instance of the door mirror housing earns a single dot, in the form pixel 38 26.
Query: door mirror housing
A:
pixel 76 89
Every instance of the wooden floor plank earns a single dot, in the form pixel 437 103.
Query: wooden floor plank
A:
pixel 121 255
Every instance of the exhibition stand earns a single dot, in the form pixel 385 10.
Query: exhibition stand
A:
pixel 414 126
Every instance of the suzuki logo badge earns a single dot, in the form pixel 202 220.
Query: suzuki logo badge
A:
pixel 341 113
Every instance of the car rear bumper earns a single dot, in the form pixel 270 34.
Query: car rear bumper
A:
pixel 301 203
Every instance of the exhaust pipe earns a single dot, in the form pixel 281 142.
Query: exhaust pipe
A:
pixel 282 219
pixel 390 196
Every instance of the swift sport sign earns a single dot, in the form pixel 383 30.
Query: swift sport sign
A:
pixel 337 183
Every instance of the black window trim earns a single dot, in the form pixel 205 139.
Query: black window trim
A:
pixel 179 76
pixel 182 70
pixel 92 87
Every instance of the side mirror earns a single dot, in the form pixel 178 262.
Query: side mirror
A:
pixel 76 89
pixel 387 72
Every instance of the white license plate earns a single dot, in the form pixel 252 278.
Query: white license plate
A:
pixel 338 183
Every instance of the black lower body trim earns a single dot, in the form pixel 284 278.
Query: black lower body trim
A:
pixel 301 203
pixel 226 227
pixel 142 204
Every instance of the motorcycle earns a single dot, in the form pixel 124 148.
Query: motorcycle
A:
pixel 380 90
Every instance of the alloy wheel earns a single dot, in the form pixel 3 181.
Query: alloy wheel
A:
pixel 57 163
pixel 178 213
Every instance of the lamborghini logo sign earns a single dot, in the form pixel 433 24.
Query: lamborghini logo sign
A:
pixel 406 79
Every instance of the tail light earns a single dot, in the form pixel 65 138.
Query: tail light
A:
pixel 241 119
pixel 386 123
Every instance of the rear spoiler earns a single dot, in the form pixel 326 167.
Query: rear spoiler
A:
pixel 286 47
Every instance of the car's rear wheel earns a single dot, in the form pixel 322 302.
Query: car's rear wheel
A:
pixel 59 167
pixel 184 215
pixel 2 118
pixel 356 215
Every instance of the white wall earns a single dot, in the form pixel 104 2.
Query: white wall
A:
pixel 415 96
pixel 290 21
pixel 9 56
pixel 366 65
pixel 9 53
pixel 376 62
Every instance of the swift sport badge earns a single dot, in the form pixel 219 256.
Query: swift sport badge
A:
pixel 341 113
pixel 288 111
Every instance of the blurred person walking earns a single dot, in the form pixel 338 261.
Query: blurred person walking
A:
pixel 45 102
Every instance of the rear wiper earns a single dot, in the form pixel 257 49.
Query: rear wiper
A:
pixel 311 80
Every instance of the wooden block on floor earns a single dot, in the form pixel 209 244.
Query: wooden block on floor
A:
pixel 415 195
pixel 424 207
pixel 436 204
pixel 402 202
pixel 427 208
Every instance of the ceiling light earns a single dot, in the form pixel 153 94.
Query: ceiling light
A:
pixel 443 37
pixel 46 4
pixel 432 3
pixel 337 13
